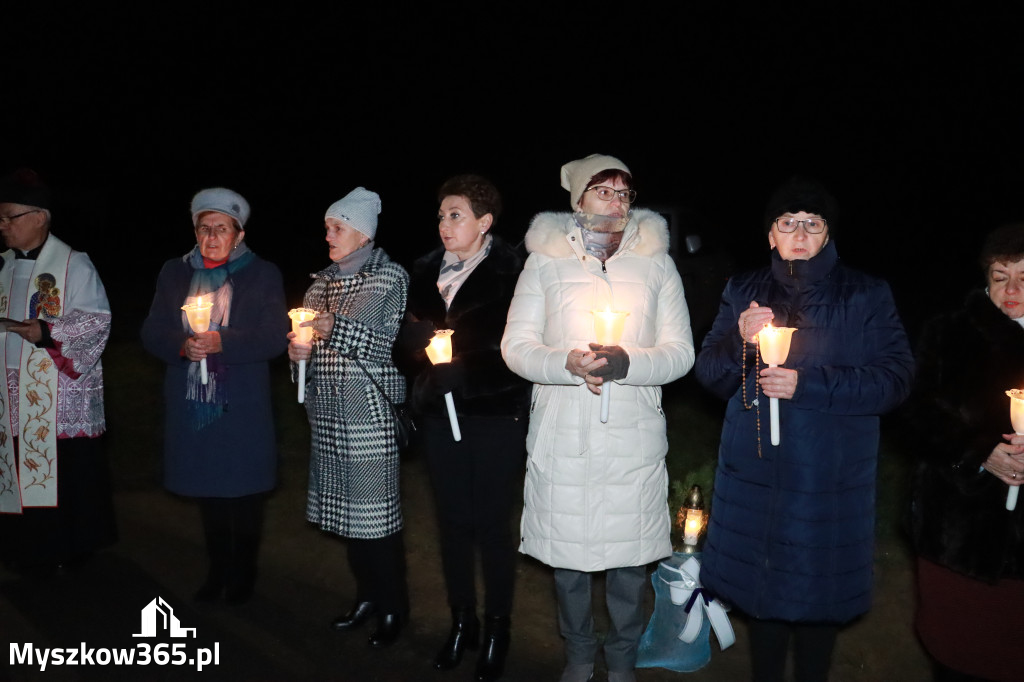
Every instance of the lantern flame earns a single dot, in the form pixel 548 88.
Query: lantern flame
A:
pixel 1017 409
pixel 775 343
pixel 608 326
pixel 440 348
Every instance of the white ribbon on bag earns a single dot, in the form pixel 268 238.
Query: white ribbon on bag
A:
pixel 686 592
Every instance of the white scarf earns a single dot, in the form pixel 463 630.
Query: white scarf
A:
pixel 454 271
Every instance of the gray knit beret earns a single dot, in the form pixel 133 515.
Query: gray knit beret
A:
pixel 358 209
pixel 221 200
pixel 576 174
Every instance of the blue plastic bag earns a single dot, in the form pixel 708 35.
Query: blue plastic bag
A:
pixel 690 618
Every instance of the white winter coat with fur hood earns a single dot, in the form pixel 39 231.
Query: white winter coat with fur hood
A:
pixel 596 494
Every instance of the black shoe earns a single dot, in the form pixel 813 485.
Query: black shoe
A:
pixel 357 615
pixel 389 625
pixel 491 663
pixel 465 634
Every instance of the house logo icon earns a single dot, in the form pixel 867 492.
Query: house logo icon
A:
pixel 158 618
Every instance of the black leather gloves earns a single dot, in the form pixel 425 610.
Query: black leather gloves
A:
pixel 414 336
pixel 446 376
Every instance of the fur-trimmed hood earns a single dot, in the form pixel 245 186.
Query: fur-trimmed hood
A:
pixel 646 234
pixel 594 496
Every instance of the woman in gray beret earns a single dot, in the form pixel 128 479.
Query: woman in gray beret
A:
pixel 353 471
pixel 226 458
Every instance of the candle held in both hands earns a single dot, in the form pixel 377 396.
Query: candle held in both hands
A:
pixel 1017 420
pixel 774 343
pixel 608 327
pixel 198 315
pixel 302 335
pixel 440 351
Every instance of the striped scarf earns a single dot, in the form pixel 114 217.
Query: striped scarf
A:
pixel 206 402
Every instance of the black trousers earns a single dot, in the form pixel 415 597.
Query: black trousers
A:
pixel 812 649
pixel 232 527
pixel 476 483
pixel 82 521
pixel 378 566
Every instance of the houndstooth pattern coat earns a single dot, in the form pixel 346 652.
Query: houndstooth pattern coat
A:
pixel 353 471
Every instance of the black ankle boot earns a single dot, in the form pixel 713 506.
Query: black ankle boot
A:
pixel 465 634
pixel 356 616
pixel 491 663
pixel 389 625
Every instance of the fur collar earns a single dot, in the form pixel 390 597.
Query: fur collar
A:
pixel 502 259
pixel 989 320
pixel 646 234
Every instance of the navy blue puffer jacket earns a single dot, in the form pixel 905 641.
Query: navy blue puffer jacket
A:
pixel 791 535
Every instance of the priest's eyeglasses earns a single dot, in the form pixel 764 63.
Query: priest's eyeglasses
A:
pixel 626 196
pixel 7 219
pixel 811 225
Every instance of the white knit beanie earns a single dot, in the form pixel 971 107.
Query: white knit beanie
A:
pixel 358 209
pixel 576 174
pixel 221 200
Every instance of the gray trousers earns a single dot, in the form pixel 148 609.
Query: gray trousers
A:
pixel 624 595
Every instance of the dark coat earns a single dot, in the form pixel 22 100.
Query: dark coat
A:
pixel 237 454
pixel 959 411
pixel 485 386
pixel 791 535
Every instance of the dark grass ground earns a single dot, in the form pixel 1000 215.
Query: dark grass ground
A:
pixel 282 633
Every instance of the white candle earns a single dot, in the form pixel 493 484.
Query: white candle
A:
pixel 440 351
pixel 302 335
pixel 608 326
pixel 198 315
pixel 692 526
pixel 1017 420
pixel 774 342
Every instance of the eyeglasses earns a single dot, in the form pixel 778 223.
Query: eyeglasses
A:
pixel 626 196
pixel 811 225
pixel 7 219
pixel 219 231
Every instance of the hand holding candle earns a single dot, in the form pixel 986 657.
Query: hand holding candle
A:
pixel 1017 420
pixel 774 342
pixel 608 326
pixel 198 315
pixel 440 351
pixel 302 335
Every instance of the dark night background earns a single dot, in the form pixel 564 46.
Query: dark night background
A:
pixel 912 118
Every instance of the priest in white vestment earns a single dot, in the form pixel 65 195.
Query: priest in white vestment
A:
pixel 55 503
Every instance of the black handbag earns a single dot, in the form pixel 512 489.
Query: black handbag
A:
pixel 401 416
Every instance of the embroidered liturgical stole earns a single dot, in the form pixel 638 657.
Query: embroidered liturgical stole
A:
pixel 34 483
